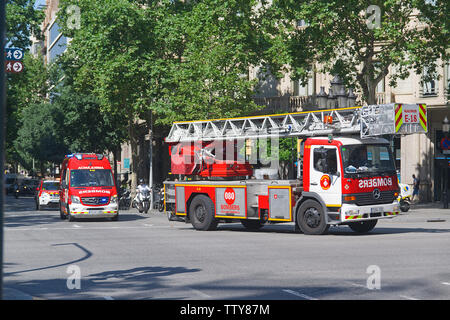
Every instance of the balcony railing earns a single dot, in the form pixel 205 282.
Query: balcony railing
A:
pixel 285 103
pixel 300 103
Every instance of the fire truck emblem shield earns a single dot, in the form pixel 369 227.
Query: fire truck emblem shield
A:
pixel 229 195
pixel 325 182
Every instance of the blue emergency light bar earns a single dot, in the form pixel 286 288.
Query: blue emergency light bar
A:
pixel 80 156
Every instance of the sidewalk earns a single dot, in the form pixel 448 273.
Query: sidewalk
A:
pixel 429 205
pixel 425 212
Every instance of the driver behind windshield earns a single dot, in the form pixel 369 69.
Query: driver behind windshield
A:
pixel 358 158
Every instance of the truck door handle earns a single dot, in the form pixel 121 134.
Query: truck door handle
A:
pixel 313 183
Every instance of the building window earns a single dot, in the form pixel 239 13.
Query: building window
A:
pixel 447 80
pixel 58 48
pixel 306 89
pixel 430 87
pixel 53 33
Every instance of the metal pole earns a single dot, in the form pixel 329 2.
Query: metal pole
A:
pixel 150 174
pixel 2 133
pixel 445 193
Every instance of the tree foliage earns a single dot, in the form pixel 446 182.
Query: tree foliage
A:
pixel 23 91
pixel 346 39
pixel 22 21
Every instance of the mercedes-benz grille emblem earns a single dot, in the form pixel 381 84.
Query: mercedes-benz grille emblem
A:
pixel 376 194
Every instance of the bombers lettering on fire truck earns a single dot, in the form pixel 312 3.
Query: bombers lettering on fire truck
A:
pixel 375 182
pixel 229 196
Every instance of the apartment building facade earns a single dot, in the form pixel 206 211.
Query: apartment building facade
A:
pixel 421 154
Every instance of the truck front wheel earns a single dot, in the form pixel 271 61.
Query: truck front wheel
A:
pixel 311 218
pixel 201 213
pixel 363 226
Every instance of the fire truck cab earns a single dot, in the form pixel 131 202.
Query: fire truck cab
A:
pixel 87 188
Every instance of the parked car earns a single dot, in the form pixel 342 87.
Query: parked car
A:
pixel 47 194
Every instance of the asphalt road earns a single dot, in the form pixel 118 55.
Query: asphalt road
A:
pixel 147 257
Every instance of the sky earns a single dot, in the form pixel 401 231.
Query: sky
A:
pixel 38 3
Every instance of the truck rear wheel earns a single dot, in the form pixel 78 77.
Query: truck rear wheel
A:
pixel 201 213
pixel 363 226
pixel 311 218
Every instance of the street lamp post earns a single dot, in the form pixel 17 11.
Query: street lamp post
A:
pixel 446 130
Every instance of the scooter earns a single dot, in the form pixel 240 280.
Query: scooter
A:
pixel 159 201
pixel 142 201
pixel 125 199
pixel 404 198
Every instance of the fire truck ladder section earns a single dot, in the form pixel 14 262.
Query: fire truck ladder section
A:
pixel 369 121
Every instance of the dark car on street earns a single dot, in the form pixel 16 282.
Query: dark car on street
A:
pixel 26 187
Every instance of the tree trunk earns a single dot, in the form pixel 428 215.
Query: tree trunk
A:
pixel 371 97
pixel 116 154
pixel 134 141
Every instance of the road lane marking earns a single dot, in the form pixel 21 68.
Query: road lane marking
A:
pixel 108 298
pixel 298 294
pixel 408 297
pixel 76 226
pixel 446 283
pixel 200 293
pixel 358 285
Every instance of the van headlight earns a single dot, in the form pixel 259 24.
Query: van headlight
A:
pixel 75 199
pixel 114 199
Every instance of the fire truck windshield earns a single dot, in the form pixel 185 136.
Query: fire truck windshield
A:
pixel 91 178
pixel 367 160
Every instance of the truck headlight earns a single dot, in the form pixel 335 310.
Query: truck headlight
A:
pixel 75 199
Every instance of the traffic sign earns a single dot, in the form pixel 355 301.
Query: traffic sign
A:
pixel 13 54
pixel 13 66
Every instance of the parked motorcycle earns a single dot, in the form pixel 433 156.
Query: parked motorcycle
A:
pixel 142 201
pixel 125 199
pixel 158 203
pixel 404 198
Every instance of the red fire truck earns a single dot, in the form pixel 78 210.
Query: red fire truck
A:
pixel 346 173
pixel 87 187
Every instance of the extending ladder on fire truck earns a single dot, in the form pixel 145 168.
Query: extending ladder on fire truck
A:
pixel 369 121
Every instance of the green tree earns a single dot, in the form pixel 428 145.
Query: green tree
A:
pixel 110 57
pixel 23 90
pixel 347 39
pixel 39 136
pixel 222 41
pixel 22 21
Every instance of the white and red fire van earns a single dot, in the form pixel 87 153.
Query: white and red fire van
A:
pixel 87 189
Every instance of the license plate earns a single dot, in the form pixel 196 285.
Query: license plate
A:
pixel 376 210
pixel 95 211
